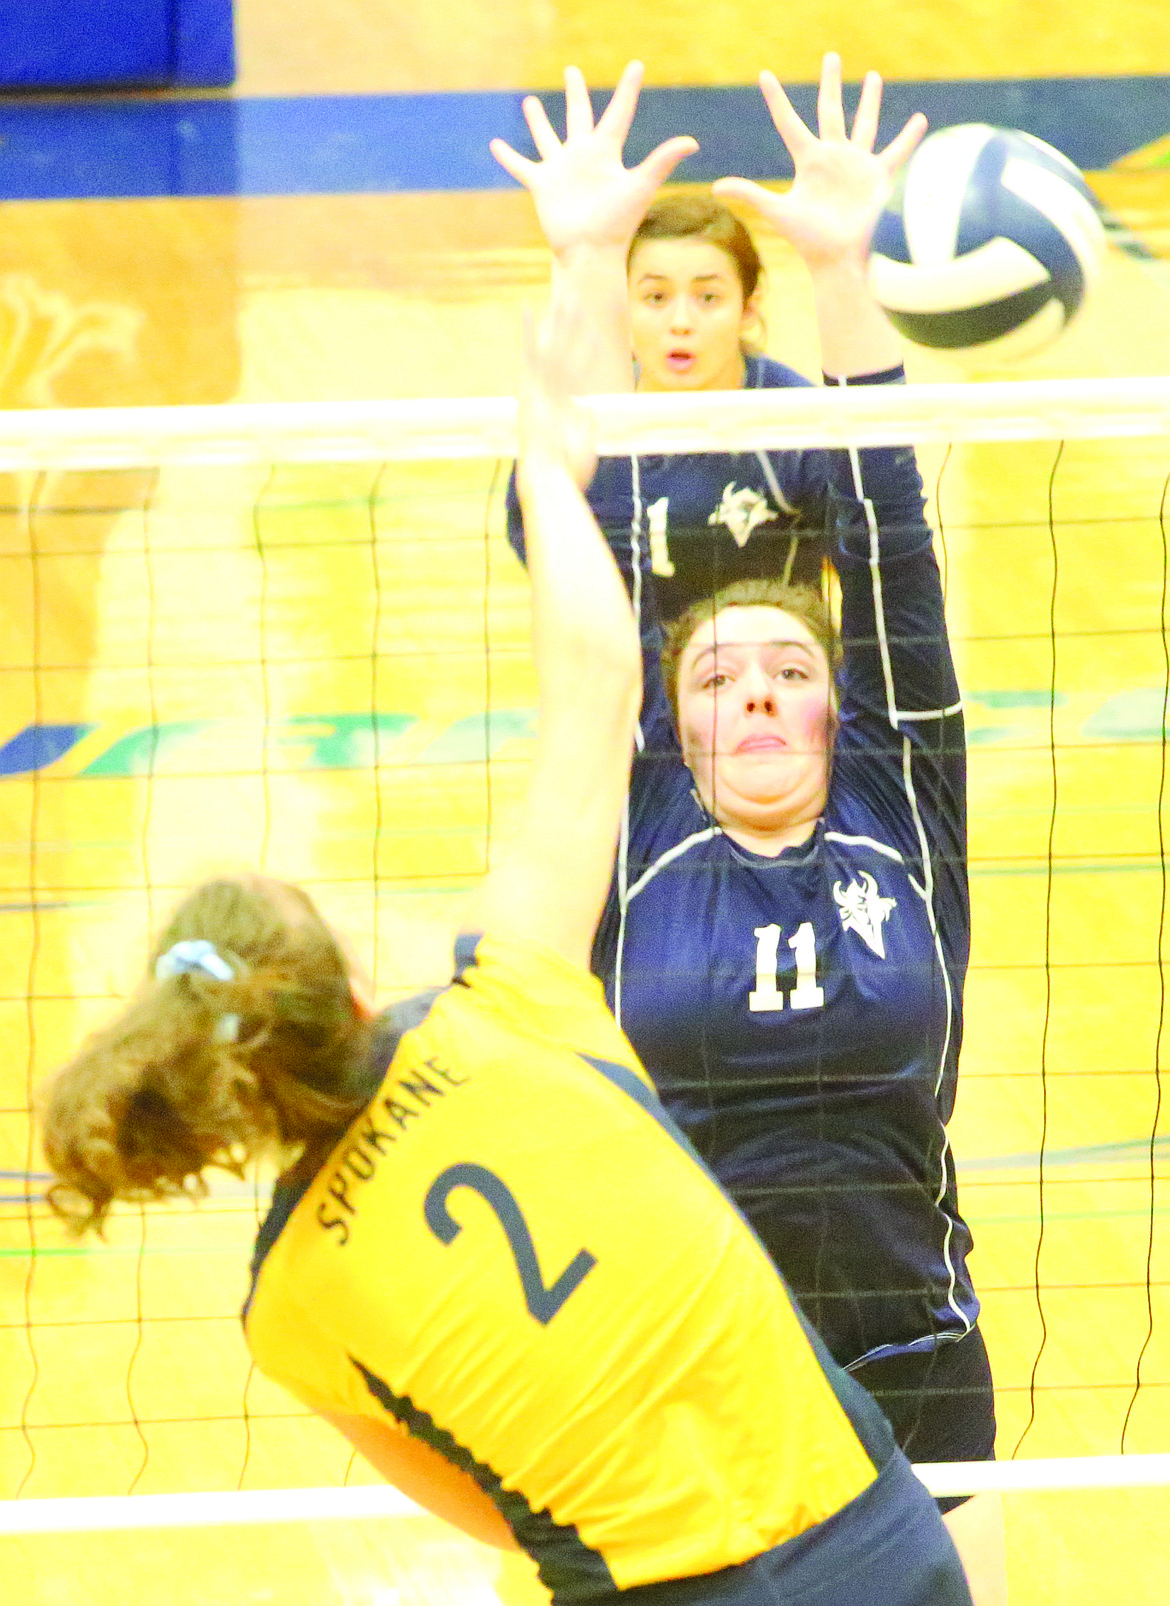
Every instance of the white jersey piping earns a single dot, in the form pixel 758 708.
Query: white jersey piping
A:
pixel 908 778
pixel 622 867
pixel 879 612
pixel 863 842
pixel 927 862
pixel 908 715
pixel 675 852
pixel 782 502
pixel 636 577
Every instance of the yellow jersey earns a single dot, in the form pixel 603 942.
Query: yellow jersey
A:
pixel 514 1255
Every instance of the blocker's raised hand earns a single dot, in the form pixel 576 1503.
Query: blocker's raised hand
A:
pixel 841 183
pixel 583 192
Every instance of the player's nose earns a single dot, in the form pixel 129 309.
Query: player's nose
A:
pixel 759 696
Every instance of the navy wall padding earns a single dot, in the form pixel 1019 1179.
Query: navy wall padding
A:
pixel 349 144
pixel 100 44
pixel 83 150
pixel 203 42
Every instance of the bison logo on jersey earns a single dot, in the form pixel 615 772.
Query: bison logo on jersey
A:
pixel 741 511
pixel 864 910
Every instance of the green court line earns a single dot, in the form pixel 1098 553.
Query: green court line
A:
pixel 1126 867
pixel 980 871
pixel 1086 1154
pixel 980 1222
pixel 103 1252
pixel 112 1252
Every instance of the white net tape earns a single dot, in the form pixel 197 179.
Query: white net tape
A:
pixel 747 420
pixel 98 1513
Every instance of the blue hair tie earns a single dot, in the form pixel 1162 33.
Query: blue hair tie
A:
pixel 196 953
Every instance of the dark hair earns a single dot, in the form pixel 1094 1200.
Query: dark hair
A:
pixel 165 1091
pixel 802 602
pixel 682 217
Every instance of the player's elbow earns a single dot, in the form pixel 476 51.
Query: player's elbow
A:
pixel 623 653
pixel 608 669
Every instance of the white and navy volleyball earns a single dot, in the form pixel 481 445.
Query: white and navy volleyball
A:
pixel 990 240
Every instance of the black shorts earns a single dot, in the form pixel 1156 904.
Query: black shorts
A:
pixel 886 1548
pixel 940 1404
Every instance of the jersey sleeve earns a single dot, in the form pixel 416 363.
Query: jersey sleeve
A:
pixel 900 745
pixel 611 497
pixel 801 476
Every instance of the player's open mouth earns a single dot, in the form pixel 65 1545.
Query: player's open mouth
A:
pixel 680 362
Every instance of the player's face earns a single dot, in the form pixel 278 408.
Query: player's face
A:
pixel 687 316
pixel 755 698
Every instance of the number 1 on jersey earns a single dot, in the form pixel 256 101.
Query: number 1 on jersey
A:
pixel 656 515
pixel 766 994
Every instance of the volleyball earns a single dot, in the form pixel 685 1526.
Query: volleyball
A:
pixel 989 242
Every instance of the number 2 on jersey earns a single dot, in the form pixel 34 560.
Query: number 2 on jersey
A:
pixel 543 1302
pixel 766 994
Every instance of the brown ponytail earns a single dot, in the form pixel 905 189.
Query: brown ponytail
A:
pixel 201 1072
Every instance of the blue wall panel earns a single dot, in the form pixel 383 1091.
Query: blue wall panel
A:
pixel 338 144
pixel 203 43
pixel 93 44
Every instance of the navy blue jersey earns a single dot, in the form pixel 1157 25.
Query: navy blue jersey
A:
pixel 714 517
pixel 801 1015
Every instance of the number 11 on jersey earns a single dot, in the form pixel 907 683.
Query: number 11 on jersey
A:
pixel 766 994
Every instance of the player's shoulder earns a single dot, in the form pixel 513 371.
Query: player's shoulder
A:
pixel 517 980
pixel 392 1024
pixel 766 373
pixel 519 977
pixel 665 809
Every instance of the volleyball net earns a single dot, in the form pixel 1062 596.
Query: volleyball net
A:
pixel 295 638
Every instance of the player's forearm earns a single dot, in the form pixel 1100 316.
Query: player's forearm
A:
pixel 582 620
pixel 595 278
pixel 856 336
pixel 551 887
pixel 897 629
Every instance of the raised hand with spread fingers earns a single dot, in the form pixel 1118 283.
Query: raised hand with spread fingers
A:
pixel 583 191
pixel 588 204
pixel 828 214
